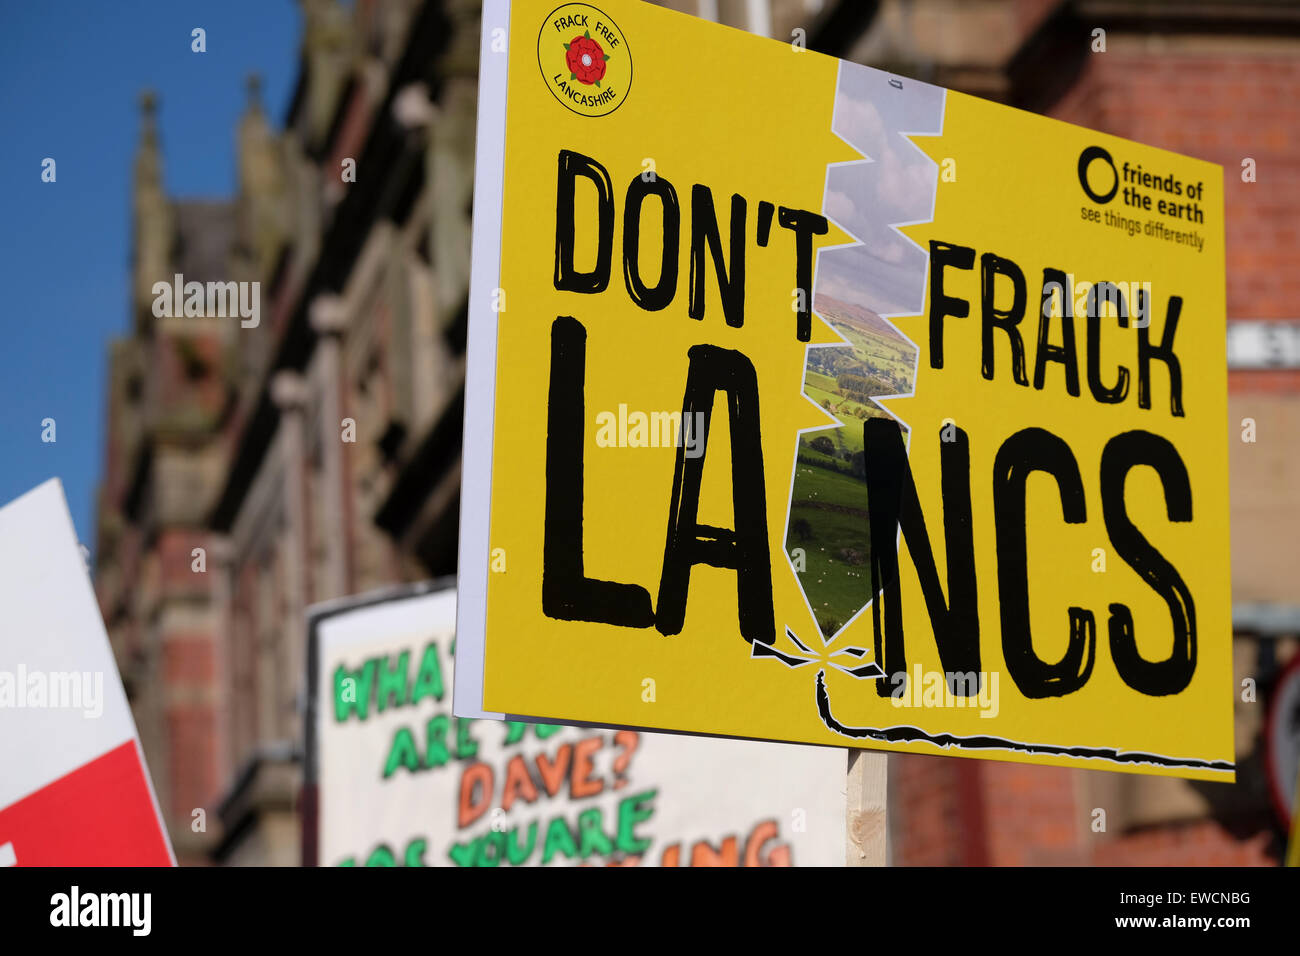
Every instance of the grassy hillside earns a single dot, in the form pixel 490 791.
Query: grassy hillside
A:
pixel 828 513
pixel 828 520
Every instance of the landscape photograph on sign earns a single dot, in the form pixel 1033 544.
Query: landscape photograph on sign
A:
pixel 828 515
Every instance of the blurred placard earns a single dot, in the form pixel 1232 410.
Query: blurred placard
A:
pixel 74 789
pixel 399 781
pixel 1260 344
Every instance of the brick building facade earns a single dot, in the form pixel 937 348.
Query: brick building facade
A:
pixel 252 471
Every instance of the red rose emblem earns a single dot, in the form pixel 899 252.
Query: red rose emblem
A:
pixel 586 60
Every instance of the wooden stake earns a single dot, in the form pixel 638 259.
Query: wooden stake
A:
pixel 865 820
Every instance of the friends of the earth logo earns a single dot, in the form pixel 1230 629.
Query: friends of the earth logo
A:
pixel 1140 191
pixel 584 59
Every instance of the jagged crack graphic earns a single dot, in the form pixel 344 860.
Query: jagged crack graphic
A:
pixel 807 655
pixel 857 288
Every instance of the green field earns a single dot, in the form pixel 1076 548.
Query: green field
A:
pixel 848 438
pixel 888 358
pixel 828 520
pixel 828 512
pixel 817 380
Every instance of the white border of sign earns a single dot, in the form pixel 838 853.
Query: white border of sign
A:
pixel 480 372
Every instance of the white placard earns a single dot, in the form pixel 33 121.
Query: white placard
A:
pixel 410 784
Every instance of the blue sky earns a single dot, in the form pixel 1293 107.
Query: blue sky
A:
pixel 70 78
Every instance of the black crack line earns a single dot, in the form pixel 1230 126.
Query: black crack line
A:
pixel 763 650
pixel 798 643
pixel 905 734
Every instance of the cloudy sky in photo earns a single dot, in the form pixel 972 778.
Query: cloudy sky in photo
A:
pixel 896 184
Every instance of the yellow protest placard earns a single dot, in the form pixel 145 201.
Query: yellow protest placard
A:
pixel 811 403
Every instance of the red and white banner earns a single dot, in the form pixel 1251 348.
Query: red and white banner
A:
pixel 74 789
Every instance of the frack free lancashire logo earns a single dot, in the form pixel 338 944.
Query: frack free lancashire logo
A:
pixel 584 59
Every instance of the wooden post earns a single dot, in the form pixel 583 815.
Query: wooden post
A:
pixel 865 819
